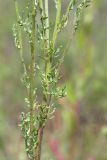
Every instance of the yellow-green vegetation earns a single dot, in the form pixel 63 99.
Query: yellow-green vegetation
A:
pixel 35 22
pixel 78 127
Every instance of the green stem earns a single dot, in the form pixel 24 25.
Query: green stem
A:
pixel 32 67
pixel 47 25
pixel 46 37
pixel 58 14
pixel 45 12
pixel 41 6
pixel 70 7
pixel 20 34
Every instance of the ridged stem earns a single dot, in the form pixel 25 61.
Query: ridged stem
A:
pixel 20 34
pixel 58 14
pixel 32 67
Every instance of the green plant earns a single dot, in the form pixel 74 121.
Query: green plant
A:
pixel 35 24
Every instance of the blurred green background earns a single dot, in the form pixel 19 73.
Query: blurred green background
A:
pixel 79 129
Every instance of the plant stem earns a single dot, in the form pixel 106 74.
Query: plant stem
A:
pixel 47 24
pixel 70 7
pixel 33 123
pixel 32 67
pixel 46 37
pixel 41 6
pixel 47 69
pixel 58 14
pixel 38 149
pixel 20 35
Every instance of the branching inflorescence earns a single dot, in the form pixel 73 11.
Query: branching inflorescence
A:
pixel 36 25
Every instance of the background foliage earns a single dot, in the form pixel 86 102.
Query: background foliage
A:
pixel 81 118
